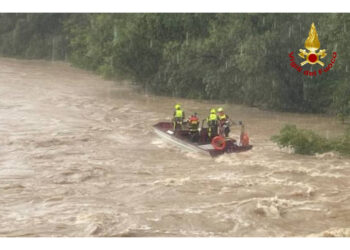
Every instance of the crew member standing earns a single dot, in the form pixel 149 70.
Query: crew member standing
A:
pixel 224 124
pixel 212 121
pixel 179 116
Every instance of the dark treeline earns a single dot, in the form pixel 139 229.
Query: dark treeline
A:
pixel 239 58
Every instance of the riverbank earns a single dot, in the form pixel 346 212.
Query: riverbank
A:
pixel 235 57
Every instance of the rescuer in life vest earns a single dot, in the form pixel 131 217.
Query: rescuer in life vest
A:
pixel 193 123
pixel 179 116
pixel 224 123
pixel 212 121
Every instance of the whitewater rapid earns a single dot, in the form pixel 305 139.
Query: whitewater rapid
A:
pixel 78 157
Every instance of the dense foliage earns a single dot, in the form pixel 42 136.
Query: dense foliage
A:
pixel 240 58
pixel 32 36
pixel 307 142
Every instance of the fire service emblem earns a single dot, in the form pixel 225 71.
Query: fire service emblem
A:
pixel 312 44
pixel 311 56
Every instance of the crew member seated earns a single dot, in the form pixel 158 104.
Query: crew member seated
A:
pixel 193 123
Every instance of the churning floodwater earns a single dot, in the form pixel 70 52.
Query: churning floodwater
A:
pixel 78 157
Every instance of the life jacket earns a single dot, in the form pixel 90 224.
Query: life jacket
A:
pixel 178 113
pixel 212 120
pixel 193 120
pixel 222 117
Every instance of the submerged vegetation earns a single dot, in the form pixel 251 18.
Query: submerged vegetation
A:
pixel 239 58
pixel 307 142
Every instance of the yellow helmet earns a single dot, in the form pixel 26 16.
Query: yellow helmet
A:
pixel 177 106
pixel 220 109
pixel 212 111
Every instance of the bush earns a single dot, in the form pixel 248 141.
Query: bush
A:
pixel 342 145
pixel 308 143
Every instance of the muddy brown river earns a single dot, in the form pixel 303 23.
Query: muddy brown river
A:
pixel 78 157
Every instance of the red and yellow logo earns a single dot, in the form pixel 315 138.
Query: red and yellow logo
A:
pixel 311 56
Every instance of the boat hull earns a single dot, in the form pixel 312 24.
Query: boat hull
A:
pixel 183 140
